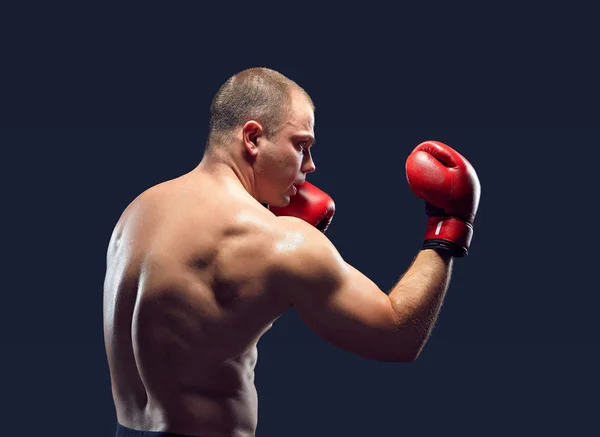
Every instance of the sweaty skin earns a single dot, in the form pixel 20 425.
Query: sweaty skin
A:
pixel 198 270
pixel 185 303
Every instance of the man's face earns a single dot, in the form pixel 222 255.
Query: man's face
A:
pixel 286 158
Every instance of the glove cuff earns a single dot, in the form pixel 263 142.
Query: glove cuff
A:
pixel 448 233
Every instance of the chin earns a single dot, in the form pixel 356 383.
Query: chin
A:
pixel 282 201
pixel 285 202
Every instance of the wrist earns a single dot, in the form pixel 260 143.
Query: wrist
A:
pixel 448 234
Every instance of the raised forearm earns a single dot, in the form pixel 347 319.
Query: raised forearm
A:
pixel 417 298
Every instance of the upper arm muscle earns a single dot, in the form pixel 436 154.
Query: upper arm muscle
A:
pixel 337 301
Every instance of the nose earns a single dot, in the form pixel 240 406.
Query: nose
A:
pixel 308 166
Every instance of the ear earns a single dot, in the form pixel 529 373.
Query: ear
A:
pixel 251 133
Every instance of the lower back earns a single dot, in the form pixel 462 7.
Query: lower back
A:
pixel 179 287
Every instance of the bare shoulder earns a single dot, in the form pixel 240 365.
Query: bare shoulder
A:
pixel 156 211
pixel 143 201
pixel 300 241
pixel 304 260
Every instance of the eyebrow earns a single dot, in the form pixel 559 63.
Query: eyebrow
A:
pixel 305 137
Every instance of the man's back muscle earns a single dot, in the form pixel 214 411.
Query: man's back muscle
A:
pixel 185 304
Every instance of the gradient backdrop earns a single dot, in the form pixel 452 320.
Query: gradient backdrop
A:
pixel 100 107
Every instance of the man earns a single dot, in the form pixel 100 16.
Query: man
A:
pixel 198 269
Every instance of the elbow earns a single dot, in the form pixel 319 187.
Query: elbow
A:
pixel 395 349
pixel 405 354
pixel 407 357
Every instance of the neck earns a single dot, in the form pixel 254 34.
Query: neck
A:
pixel 221 165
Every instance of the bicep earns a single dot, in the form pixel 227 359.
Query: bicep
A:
pixel 346 308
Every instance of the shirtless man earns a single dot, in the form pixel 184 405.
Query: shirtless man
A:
pixel 198 269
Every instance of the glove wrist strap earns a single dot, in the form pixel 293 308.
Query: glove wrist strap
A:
pixel 448 233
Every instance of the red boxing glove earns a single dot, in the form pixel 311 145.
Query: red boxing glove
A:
pixel 450 186
pixel 309 204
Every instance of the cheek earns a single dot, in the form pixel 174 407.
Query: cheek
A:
pixel 296 162
pixel 290 161
pixel 281 165
pixel 289 167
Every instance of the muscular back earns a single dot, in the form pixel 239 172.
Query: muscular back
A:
pixel 185 302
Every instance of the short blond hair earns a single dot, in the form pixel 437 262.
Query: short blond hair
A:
pixel 259 94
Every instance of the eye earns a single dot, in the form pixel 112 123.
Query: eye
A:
pixel 303 145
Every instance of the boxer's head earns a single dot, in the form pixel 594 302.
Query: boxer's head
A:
pixel 266 122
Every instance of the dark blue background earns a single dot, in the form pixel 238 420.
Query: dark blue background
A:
pixel 100 104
